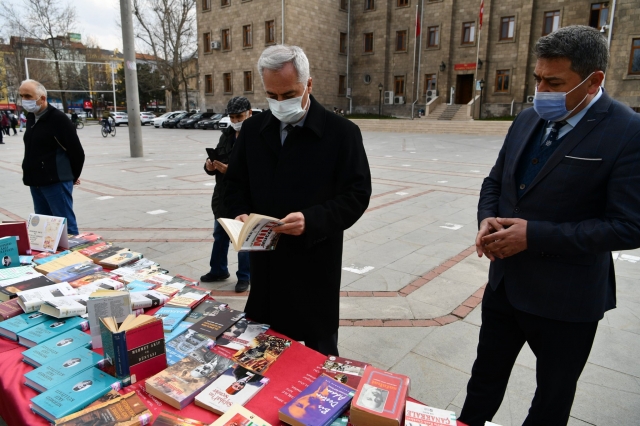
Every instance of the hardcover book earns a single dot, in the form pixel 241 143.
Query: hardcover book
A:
pixel 70 259
pixel 237 415
pixel 263 351
pixel 147 299
pixel 240 334
pixel 10 309
pixel 74 272
pixel 216 322
pixel 125 410
pixel 136 285
pixel 46 233
pixel 179 384
pixel 30 300
pixel 62 368
pixel 11 327
pixel 380 398
pixel 106 303
pixel 186 343
pixel 66 343
pixel 10 291
pixel 255 234
pixel 135 349
pixel 19 230
pixel 65 307
pixel 319 404
pixel 346 371
pixel 49 329
pixel 237 385
pixel 73 394
pixel 166 418
pixel 208 307
pixel 9 256
pixel 171 317
pixel 421 415
pixel 188 297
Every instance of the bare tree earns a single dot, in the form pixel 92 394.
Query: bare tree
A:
pixel 166 28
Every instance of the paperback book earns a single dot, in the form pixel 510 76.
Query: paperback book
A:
pixel 46 233
pixel 31 300
pixel 208 307
pixel 46 257
pixel 380 398
pixel 319 404
pixel 188 297
pixel 240 334
pixel 136 285
pixel 346 371
pixel 171 317
pixel 237 385
pixel 66 343
pixel 62 262
pixel 421 415
pixel 61 369
pixel 11 290
pixel 103 283
pixel 125 410
pixel 73 394
pixel 108 252
pixel 167 418
pixel 147 299
pixel 181 328
pixel 65 307
pixel 237 415
pixel 181 279
pixel 179 384
pixel 139 266
pixel 255 234
pixel 263 351
pixel 9 256
pixel 11 273
pixel 19 230
pixel 122 258
pixel 12 326
pixel 95 248
pixel 106 303
pixel 50 329
pixel 10 309
pixel 186 343
pixel 217 321
pixel 81 239
pixel 167 290
pixel 74 272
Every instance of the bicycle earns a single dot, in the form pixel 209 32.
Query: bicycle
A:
pixel 79 124
pixel 105 132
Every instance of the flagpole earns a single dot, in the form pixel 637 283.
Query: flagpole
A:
pixel 415 43
pixel 475 80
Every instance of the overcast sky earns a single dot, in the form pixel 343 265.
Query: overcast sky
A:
pixel 99 19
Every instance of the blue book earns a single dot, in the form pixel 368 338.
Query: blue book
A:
pixel 185 344
pixel 49 329
pixel 74 272
pixel 171 317
pixel 74 394
pixel 62 368
pixel 48 259
pixel 11 327
pixel 140 286
pixel 9 256
pixel 53 348
pixel 181 328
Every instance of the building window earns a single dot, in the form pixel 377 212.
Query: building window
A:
pixel 206 4
pixel 208 83
pixel 551 22
pixel 226 39
pixel 342 85
pixel 247 36
pixel 225 2
pixel 343 42
pixel 206 42
pixel 343 4
pixel 270 32
pixel 368 43
pixel 401 41
pixel 433 36
pixel 398 85
pixel 507 28
pixel 502 81
pixel 599 15
pixel 226 82
pixel 368 5
pixel 634 62
pixel 429 83
pixel 248 81
pixel 401 3
pixel 468 33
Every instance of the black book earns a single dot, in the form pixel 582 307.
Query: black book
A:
pixel 213 326
pixel 9 292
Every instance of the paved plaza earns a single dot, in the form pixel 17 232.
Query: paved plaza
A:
pixel 411 283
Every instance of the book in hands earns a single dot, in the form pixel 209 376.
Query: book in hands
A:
pixel 62 368
pixel 123 410
pixel 238 415
pixel 237 385
pixel 255 234
pixel 65 343
pixel 421 415
pixel 9 256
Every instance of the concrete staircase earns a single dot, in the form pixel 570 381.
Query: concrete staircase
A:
pixel 449 112
pixel 425 126
pixel 436 113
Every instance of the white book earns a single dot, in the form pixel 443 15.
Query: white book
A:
pixel 28 274
pixel 237 385
pixel 255 234
pixel 101 284
pixel 31 300
pixel 47 232
pixel 421 415
pixel 64 307
pixel 147 299
pixel 117 305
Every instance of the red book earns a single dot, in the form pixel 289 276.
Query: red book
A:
pixel 380 398
pixel 10 309
pixel 18 230
pixel 346 371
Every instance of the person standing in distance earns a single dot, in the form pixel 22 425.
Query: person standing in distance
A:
pixel 239 109
pixel 308 166
pixel 564 193
pixel 53 155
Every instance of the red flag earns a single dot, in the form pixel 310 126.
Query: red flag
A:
pixel 418 26
pixel 481 13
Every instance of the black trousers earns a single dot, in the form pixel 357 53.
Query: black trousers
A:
pixel 325 345
pixel 561 349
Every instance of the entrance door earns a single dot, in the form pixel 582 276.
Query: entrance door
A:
pixel 464 88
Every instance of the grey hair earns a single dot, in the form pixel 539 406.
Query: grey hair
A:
pixel 40 89
pixel 584 46
pixel 275 57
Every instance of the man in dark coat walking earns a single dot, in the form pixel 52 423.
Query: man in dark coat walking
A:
pixel 308 166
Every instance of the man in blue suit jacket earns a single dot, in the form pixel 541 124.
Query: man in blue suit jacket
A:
pixel 563 194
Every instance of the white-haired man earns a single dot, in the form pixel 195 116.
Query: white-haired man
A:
pixel 301 163
pixel 53 155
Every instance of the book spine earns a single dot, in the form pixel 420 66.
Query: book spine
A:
pixel 120 354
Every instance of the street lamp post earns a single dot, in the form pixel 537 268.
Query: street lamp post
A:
pixel 481 90
pixel 380 87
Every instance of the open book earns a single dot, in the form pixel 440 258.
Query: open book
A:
pixel 255 234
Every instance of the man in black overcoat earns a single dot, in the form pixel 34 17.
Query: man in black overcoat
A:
pixel 564 193
pixel 308 166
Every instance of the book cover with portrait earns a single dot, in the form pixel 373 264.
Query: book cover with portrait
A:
pixel 380 398
pixel 62 368
pixel 63 344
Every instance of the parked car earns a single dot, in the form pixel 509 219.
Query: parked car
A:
pixel 147 118
pixel 211 122
pixel 166 116
pixel 190 122
pixel 120 118
pixel 171 123
pixel 224 123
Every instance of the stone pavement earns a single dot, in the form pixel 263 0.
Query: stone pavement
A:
pixel 411 285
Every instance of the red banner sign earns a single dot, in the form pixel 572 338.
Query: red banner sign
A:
pixel 464 67
pixel 8 106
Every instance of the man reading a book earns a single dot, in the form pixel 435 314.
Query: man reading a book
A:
pixel 299 162
pixel 239 109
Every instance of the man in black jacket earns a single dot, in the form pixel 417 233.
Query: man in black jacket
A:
pixel 53 155
pixel 239 109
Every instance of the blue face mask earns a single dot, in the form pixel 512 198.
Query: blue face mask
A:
pixel 552 106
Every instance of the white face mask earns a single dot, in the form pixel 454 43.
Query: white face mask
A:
pixel 237 126
pixel 289 111
pixel 30 105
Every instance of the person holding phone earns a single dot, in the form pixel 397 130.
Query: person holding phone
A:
pixel 239 109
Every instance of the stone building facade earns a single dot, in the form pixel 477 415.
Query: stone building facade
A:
pixel 362 50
